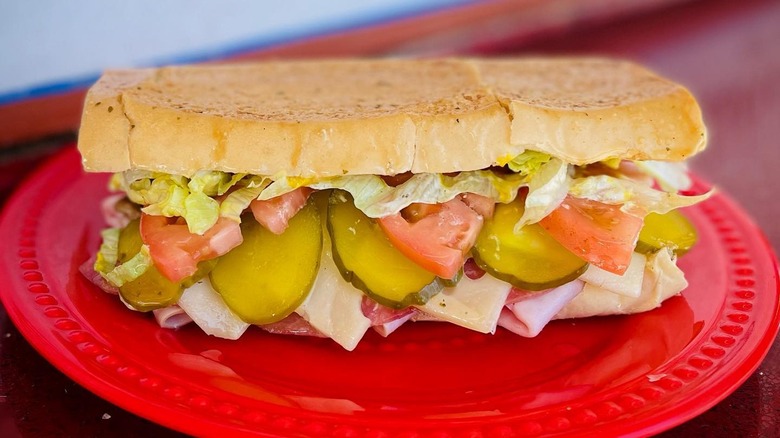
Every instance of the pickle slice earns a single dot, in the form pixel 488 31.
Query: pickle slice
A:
pixel 268 276
pixel 366 258
pixel 672 230
pixel 151 290
pixel 452 282
pixel 530 259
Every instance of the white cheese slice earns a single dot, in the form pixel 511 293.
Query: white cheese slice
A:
pixel 334 306
pixel 205 306
pixel 628 284
pixel 662 279
pixel 474 304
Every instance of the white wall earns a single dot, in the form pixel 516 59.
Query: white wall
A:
pixel 49 42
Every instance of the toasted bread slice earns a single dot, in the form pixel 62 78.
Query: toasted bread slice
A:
pixel 384 117
pixel 589 109
pixel 305 118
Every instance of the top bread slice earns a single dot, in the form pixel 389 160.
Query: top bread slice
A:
pixel 384 117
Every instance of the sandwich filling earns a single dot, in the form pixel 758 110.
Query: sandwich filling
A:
pixel 515 245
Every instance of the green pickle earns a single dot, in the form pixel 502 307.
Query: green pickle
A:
pixel 452 282
pixel 268 276
pixel 366 258
pixel 151 290
pixel 530 259
pixel 670 230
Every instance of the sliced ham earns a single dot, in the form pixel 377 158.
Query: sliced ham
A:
pixel 526 313
pixel 87 269
pixel 389 327
pixel 293 324
pixel 385 320
pixel 113 217
pixel 662 279
pixel 171 317
pixel 379 314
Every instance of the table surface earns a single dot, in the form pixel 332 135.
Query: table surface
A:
pixel 725 51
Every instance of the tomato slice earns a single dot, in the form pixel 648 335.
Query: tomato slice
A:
pixel 416 211
pixel 600 234
pixel 275 213
pixel 176 252
pixel 481 204
pixel 439 241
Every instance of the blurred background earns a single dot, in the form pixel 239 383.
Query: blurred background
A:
pixel 725 51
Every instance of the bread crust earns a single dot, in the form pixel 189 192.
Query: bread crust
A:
pixel 384 117
pixel 589 109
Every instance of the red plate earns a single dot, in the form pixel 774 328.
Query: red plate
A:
pixel 632 375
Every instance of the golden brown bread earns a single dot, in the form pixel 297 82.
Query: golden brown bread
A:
pixel 589 109
pixel 334 117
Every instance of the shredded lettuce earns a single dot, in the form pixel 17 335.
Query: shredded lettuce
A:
pixel 546 190
pixel 192 198
pixel 108 253
pixel 207 182
pixel 671 176
pixel 238 200
pixel 201 212
pixel 282 185
pixel 169 200
pixel 227 185
pixel 529 162
pixel 548 180
pixel 377 199
pixel 131 269
pixel 635 198
pixel 178 196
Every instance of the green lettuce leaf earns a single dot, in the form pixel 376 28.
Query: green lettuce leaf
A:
pixel 225 186
pixel 131 269
pixel 107 257
pixel 635 198
pixel 108 253
pixel 670 176
pixel 281 185
pixel 167 200
pixel 207 182
pixel 547 188
pixel 178 196
pixel 529 162
pixel 201 212
pixel 377 199
pixel 238 200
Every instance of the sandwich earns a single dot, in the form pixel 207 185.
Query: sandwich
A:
pixel 330 197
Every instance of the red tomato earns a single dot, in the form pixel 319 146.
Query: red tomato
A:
pixel 176 252
pixel 275 213
pixel 416 211
pixel 481 204
pixel 599 233
pixel 438 242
